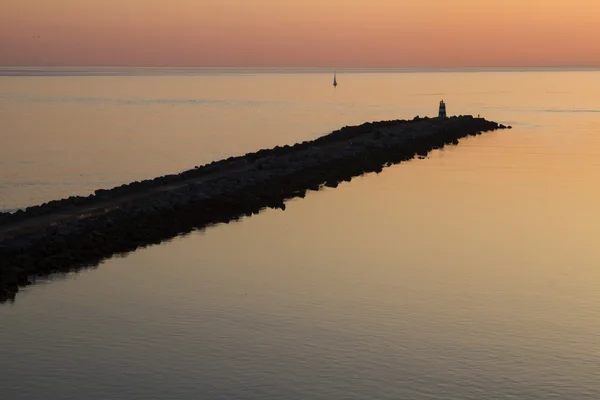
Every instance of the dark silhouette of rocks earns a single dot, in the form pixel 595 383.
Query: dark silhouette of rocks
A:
pixel 68 234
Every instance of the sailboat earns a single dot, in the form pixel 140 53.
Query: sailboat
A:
pixel 334 80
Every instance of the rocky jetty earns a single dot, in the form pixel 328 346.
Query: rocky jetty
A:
pixel 68 234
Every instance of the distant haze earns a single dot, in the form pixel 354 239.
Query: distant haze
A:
pixel 302 33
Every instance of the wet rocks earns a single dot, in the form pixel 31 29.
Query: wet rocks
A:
pixel 218 192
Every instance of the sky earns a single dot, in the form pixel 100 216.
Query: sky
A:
pixel 299 33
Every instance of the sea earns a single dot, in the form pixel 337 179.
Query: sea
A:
pixel 471 274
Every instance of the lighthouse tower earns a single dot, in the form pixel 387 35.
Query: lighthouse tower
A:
pixel 442 113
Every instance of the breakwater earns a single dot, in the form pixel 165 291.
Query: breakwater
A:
pixel 67 234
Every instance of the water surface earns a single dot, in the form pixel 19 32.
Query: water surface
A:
pixel 471 274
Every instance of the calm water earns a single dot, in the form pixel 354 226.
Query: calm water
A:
pixel 473 274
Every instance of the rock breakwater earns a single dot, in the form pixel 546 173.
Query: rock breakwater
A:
pixel 68 234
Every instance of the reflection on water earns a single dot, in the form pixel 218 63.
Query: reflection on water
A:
pixel 471 274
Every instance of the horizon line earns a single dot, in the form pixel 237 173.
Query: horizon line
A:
pixel 300 66
pixel 14 70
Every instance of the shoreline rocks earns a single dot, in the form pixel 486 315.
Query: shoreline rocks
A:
pixel 122 219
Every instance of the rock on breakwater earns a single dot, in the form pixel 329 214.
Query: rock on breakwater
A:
pixel 67 234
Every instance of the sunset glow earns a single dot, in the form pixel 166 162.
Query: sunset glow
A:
pixel 305 33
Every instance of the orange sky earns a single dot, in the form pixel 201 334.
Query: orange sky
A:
pixel 319 33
